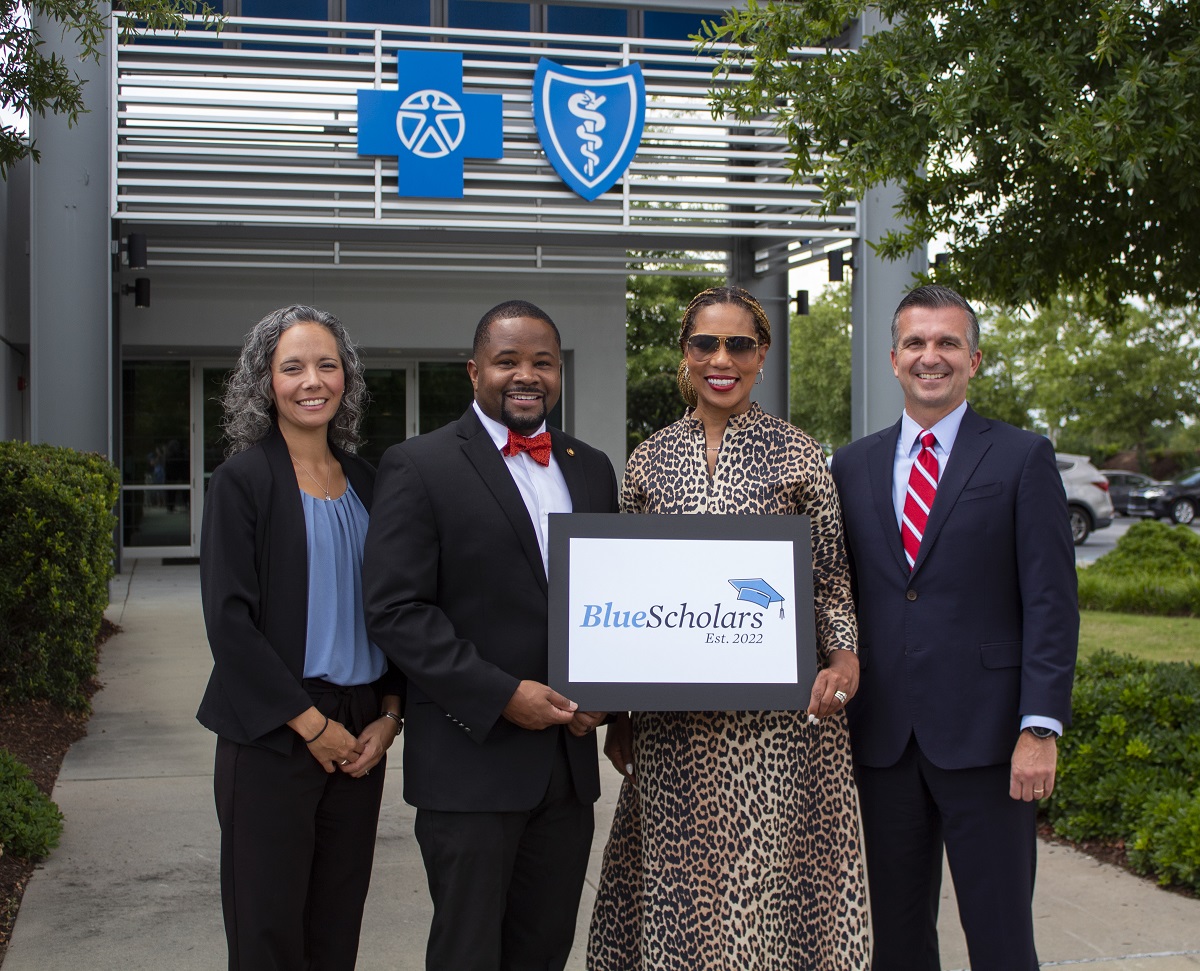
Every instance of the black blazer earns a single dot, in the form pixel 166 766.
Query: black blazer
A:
pixel 254 587
pixel 985 627
pixel 455 592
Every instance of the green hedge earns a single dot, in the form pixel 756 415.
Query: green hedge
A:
pixel 30 824
pixel 1153 569
pixel 56 555
pixel 1129 767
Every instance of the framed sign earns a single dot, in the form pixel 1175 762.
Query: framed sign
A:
pixel 682 613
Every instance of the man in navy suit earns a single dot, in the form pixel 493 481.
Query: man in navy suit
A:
pixel 968 628
pixel 503 770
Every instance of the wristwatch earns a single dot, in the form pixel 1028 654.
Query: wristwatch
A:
pixel 1040 731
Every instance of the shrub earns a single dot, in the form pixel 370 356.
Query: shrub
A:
pixel 56 552
pixel 1153 569
pixel 30 824
pixel 1140 593
pixel 1129 768
pixel 1167 841
pixel 1153 547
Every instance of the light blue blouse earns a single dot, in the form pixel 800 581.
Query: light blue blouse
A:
pixel 337 649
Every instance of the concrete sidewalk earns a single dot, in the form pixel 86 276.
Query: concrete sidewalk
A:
pixel 133 886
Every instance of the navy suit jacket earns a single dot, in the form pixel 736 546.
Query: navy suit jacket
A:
pixel 985 628
pixel 456 596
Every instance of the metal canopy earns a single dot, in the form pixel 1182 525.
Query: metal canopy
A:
pixel 257 130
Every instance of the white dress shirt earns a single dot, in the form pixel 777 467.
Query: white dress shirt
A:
pixel 542 486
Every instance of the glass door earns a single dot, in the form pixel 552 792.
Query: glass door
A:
pixel 172 438
pixel 156 494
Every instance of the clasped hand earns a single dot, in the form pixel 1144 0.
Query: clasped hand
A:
pixel 840 675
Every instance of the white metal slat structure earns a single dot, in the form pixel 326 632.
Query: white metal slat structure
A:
pixel 258 129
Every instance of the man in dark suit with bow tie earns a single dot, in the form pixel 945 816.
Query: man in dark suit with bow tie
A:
pixel 964 579
pixel 503 770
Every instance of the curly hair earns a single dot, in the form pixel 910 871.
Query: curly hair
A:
pixel 708 298
pixel 248 402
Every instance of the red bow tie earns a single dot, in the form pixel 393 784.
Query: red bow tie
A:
pixel 538 447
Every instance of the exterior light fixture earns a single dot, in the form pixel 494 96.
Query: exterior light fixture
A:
pixel 837 263
pixel 135 249
pixel 140 291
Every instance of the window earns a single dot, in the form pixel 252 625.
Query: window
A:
pixel 605 21
pixel 412 12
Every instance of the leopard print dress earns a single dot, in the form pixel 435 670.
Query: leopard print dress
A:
pixel 739 849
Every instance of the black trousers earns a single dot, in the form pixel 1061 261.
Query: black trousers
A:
pixel 296 852
pixel 910 811
pixel 506 886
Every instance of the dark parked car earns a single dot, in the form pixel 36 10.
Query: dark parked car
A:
pixel 1178 499
pixel 1122 483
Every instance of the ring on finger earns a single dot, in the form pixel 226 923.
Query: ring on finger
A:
pixel 841 696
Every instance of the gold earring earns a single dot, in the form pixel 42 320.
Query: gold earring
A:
pixel 683 378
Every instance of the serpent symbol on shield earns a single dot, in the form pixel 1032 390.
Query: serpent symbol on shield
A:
pixel 586 105
pixel 590 122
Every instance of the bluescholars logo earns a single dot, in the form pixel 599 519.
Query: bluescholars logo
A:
pixel 720 617
pixel 429 124
pixel 589 121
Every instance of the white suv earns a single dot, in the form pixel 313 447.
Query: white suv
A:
pixel 1087 495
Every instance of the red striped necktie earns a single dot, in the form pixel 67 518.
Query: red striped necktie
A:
pixel 922 487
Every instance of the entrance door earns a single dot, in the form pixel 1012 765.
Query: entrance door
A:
pixel 172 439
pixel 156 450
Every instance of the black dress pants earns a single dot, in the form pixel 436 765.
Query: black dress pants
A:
pixel 296 851
pixel 910 811
pixel 506 886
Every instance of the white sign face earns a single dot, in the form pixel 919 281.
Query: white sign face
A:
pixel 682 611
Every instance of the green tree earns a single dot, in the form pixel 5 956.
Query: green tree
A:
pixel 654 308
pixel 1054 141
pixel 32 82
pixel 1003 386
pixel 1126 383
pixel 820 367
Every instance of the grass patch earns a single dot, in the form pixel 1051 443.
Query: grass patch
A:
pixel 1147 637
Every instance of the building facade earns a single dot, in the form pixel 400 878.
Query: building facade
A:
pixel 235 163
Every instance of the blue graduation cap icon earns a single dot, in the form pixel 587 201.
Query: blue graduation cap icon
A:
pixel 758 591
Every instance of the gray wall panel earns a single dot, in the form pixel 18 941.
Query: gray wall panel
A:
pixel 207 313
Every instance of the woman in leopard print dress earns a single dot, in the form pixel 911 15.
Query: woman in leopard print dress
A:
pixel 736 844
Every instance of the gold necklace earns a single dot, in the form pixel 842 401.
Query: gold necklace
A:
pixel 325 487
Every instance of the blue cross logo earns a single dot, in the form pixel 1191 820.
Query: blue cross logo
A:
pixel 429 124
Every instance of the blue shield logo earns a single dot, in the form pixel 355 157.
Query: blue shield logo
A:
pixel 590 122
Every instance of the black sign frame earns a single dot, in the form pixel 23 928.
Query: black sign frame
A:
pixel 682 696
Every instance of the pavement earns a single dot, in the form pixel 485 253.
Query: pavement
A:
pixel 133 884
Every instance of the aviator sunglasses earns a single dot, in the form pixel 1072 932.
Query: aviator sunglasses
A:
pixel 737 346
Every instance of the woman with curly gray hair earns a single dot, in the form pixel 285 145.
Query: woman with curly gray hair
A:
pixel 303 704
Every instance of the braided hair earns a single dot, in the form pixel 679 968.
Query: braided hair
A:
pixel 708 298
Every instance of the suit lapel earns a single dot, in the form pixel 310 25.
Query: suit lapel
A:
pixel 969 447
pixel 482 453
pixel 357 476
pixel 880 467
pixel 572 470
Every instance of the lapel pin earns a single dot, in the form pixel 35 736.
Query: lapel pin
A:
pixel 570 451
